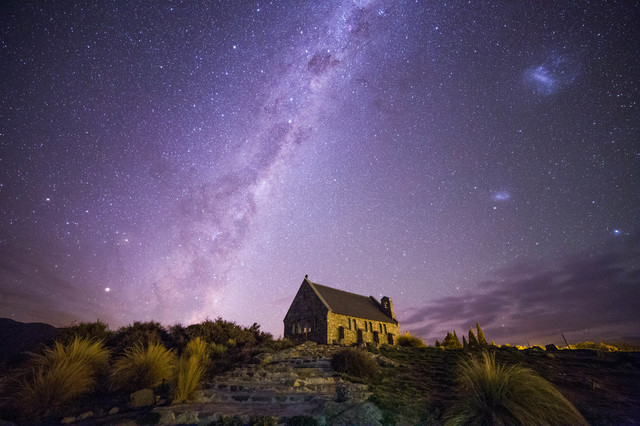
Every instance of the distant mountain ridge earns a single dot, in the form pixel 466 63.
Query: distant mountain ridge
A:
pixel 18 337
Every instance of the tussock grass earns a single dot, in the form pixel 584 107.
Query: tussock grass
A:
pixel 60 374
pixel 499 395
pixel 190 374
pixel 191 369
pixel 198 349
pixel 143 367
pixel 408 340
pixel 355 362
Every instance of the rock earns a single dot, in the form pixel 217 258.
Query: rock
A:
pixel 68 420
pixel 190 417
pixel 551 348
pixel 360 414
pixel 342 392
pixel 142 398
pixel 113 411
pixel 168 419
pixel 86 415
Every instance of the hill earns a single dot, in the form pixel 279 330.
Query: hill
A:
pixel 18 337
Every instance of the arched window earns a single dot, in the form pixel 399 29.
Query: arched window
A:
pixel 366 327
pixel 349 319
pixel 355 324
pixel 380 327
pixel 385 329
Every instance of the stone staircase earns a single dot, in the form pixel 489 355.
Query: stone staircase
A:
pixel 275 382
pixel 292 382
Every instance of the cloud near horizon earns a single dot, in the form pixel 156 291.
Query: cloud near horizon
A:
pixel 593 296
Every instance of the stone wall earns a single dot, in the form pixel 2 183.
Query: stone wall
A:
pixel 306 319
pixel 345 330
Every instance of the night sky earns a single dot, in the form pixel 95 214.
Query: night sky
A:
pixel 173 161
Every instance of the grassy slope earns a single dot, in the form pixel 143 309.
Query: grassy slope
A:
pixel 604 387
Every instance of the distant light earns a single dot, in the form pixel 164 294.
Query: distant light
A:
pixel 616 231
pixel 107 289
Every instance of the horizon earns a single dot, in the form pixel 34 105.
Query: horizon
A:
pixel 171 163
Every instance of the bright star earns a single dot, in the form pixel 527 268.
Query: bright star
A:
pixel 107 289
pixel 616 231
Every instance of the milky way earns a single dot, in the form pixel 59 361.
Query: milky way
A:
pixel 181 161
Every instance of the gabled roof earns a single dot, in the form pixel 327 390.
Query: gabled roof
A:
pixel 350 304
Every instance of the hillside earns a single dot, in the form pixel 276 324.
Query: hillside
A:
pixel 18 337
pixel 256 377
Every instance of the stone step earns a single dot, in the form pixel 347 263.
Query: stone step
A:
pixel 249 398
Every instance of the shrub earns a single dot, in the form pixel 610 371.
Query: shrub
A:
pixel 139 333
pixel 143 367
pixel 498 394
pixel 355 363
pixel 61 374
pixel 97 331
pixel 408 340
pixel 217 351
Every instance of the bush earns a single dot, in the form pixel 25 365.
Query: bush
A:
pixel 143 367
pixel 142 333
pixel 61 374
pixel 498 394
pixel 97 331
pixel 409 340
pixel 355 363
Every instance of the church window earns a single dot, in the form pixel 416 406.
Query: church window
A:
pixel 380 327
pixel 366 327
pixel 385 329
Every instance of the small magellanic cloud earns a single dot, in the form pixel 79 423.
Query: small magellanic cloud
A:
pixel 501 196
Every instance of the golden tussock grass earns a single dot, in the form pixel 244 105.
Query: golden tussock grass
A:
pixel 143 367
pixel 500 395
pixel 60 374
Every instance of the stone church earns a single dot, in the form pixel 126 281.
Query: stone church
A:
pixel 330 316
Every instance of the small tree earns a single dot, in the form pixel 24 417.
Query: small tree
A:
pixel 481 339
pixel 451 341
pixel 437 344
pixel 473 342
pixel 464 342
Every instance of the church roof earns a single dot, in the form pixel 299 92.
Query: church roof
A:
pixel 350 304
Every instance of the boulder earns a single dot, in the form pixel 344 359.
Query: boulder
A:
pixel 142 398
pixel 86 415
pixel 68 420
pixel 188 418
pixel 360 414
pixel 113 411
pixel 551 348
pixel 168 419
pixel 342 392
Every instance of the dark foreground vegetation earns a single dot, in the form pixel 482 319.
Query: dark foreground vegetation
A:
pixel 89 367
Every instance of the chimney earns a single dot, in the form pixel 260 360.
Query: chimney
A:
pixel 387 306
